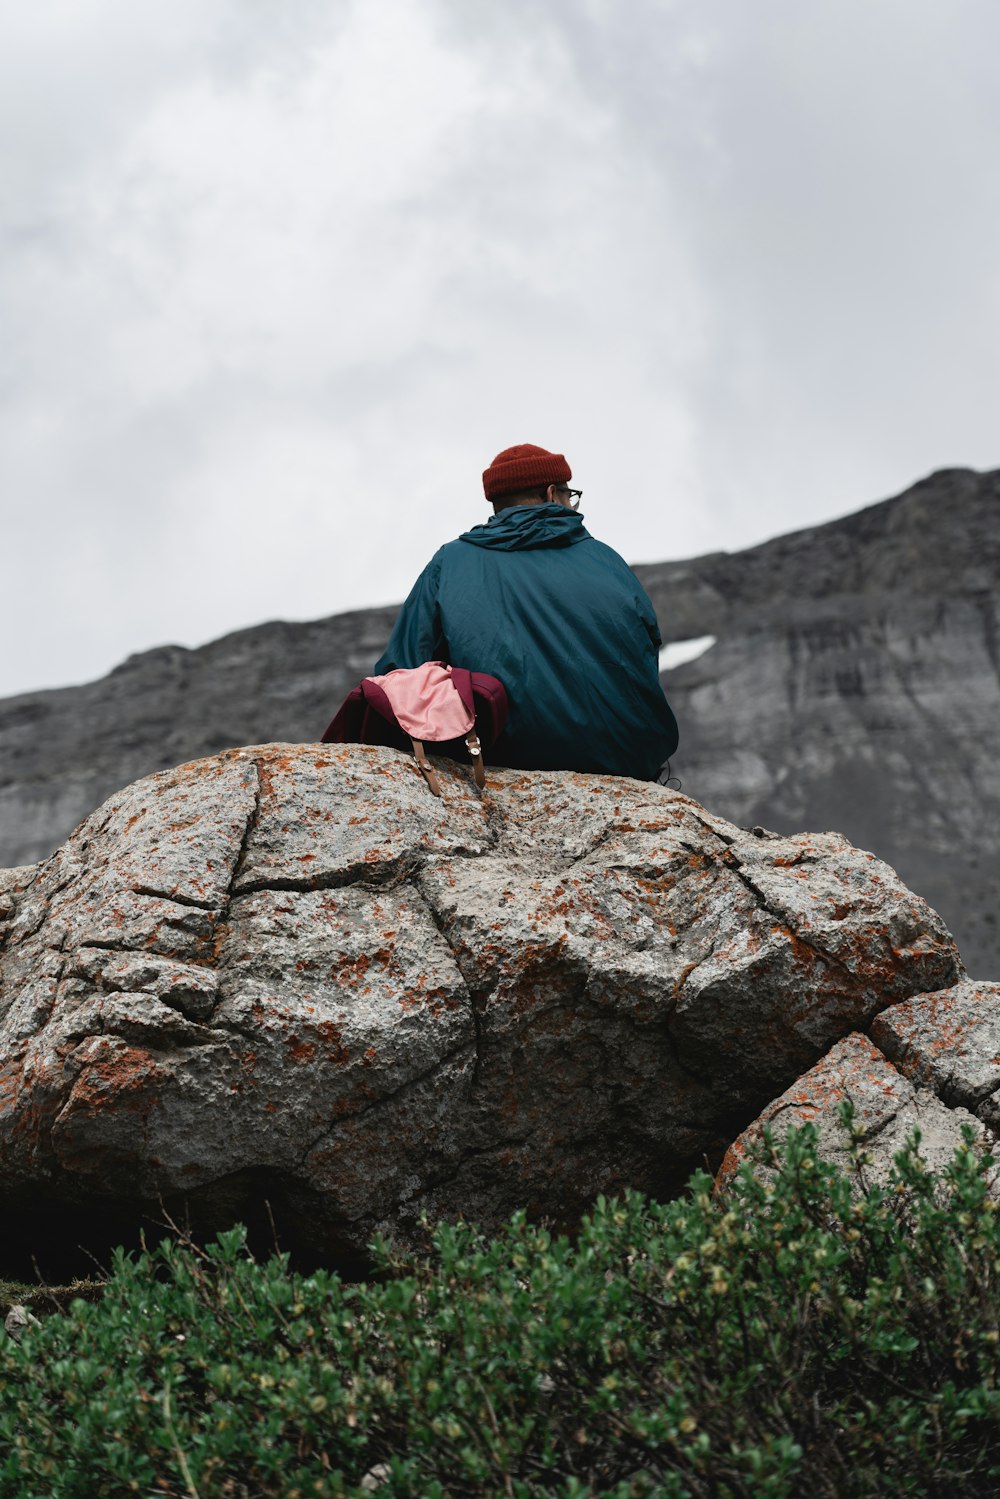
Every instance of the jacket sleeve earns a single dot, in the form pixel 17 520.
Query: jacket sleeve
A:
pixel 648 616
pixel 671 733
pixel 642 606
pixel 417 635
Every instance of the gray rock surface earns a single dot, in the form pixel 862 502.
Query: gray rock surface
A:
pixel 950 1042
pixel 17 1320
pixel 289 972
pixel 887 1110
pixel 855 684
pixel 931 1062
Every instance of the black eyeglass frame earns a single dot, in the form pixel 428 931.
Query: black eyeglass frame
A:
pixel 576 495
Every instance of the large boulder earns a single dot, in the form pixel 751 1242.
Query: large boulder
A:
pixel 288 973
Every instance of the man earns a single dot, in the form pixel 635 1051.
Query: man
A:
pixel 561 619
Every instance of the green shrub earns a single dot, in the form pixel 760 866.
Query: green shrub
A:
pixel 795 1337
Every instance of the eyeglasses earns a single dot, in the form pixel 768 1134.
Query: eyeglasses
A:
pixel 575 495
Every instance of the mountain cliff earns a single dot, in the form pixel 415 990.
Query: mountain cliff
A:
pixel 854 684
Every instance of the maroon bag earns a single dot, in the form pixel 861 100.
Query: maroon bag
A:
pixel 366 717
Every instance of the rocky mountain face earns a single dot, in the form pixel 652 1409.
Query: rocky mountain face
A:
pixel 288 975
pixel 854 685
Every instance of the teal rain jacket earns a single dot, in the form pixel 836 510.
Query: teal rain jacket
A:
pixel 561 619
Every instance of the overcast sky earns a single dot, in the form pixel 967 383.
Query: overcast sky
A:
pixel 279 279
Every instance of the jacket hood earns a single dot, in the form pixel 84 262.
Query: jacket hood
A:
pixel 527 527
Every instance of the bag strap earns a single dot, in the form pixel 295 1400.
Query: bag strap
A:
pixel 463 684
pixel 476 750
pixel 426 768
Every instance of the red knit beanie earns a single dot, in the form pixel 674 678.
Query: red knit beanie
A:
pixel 524 467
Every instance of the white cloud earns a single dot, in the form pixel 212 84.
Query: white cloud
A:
pixel 278 281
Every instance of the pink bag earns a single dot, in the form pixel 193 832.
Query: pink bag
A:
pixel 445 705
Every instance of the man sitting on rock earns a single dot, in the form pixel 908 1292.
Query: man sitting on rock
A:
pixel 560 618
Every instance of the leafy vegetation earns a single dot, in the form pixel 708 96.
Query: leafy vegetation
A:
pixel 800 1335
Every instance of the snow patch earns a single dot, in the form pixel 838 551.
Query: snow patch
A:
pixel 678 652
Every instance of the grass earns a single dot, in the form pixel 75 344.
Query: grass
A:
pixel 804 1334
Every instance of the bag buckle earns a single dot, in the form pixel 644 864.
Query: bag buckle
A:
pixel 476 751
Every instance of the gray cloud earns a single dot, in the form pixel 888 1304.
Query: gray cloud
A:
pixel 277 282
